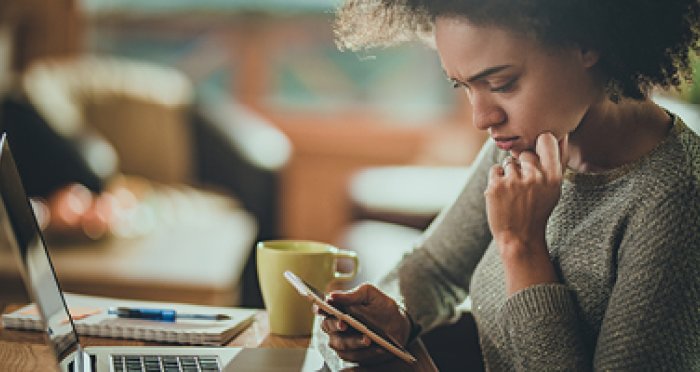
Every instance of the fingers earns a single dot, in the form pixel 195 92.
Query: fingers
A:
pixel 495 174
pixel 317 310
pixel 368 305
pixel 511 166
pixel 351 345
pixel 348 341
pixel 367 356
pixel 547 149
pixel 529 164
pixel 333 325
pixel 354 300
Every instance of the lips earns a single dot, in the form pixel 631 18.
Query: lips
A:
pixel 505 143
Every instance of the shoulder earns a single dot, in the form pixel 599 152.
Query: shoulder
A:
pixel 672 171
pixel 488 156
pixel 688 147
pixel 666 211
pixel 663 193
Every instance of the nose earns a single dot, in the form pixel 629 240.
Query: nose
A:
pixel 485 112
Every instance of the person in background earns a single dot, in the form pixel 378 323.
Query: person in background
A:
pixel 577 234
pixel 60 173
pixel 67 177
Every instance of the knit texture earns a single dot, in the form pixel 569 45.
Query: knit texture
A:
pixel 625 245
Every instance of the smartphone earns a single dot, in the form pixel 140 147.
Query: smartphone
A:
pixel 317 297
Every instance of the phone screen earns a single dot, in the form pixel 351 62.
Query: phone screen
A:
pixel 363 319
pixel 355 320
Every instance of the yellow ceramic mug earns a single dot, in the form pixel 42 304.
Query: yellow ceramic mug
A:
pixel 315 263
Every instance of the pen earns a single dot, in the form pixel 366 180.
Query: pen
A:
pixel 164 315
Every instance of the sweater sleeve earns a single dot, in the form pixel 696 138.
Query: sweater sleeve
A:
pixel 652 319
pixel 433 279
pixel 542 323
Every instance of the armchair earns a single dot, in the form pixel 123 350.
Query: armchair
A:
pixel 150 127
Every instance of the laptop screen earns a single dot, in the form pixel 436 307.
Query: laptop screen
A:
pixel 21 228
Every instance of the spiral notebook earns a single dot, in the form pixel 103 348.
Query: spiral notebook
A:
pixel 92 319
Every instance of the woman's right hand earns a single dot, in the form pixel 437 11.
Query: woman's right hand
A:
pixel 374 308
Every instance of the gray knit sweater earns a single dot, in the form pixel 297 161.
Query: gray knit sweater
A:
pixel 625 245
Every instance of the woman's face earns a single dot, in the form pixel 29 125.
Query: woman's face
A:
pixel 517 88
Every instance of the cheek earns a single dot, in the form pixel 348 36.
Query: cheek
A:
pixel 569 103
pixel 557 113
pixel 531 117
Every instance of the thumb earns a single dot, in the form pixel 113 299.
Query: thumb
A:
pixel 360 295
pixel 564 151
pixel 548 149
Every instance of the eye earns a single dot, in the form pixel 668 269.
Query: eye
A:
pixel 507 87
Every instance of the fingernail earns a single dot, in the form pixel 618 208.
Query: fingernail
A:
pixel 365 340
pixel 340 325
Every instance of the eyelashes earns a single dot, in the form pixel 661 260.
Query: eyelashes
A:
pixel 507 87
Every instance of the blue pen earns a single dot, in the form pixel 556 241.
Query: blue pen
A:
pixel 163 315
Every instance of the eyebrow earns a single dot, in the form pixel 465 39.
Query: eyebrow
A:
pixel 481 75
pixel 487 72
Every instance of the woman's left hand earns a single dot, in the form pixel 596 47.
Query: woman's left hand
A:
pixel 521 195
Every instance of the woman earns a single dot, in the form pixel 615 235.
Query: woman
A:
pixel 577 235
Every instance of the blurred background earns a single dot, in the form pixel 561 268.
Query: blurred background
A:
pixel 159 140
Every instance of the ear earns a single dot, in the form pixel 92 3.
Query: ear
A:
pixel 589 57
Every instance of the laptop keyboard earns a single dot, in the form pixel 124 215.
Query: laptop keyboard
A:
pixel 167 363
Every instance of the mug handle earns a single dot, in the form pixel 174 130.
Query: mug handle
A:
pixel 356 263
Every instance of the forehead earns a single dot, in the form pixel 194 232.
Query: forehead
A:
pixel 466 48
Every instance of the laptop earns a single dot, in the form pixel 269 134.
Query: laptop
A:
pixel 26 241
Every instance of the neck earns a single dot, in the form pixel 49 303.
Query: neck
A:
pixel 614 134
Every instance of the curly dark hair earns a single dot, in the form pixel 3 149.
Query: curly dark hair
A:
pixel 642 43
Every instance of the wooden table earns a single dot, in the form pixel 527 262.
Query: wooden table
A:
pixel 26 351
